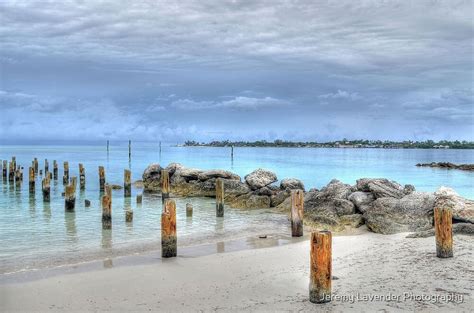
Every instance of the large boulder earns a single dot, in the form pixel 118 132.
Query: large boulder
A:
pixel 381 187
pixel 260 178
pixel 463 209
pixel 332 200
pixel 249 201
pixel 291 184
pixel 413 212
pixel 151 177
pixel 279 197
pixel 205 175
pixel 361 200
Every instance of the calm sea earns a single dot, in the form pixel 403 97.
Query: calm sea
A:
pixel 36 234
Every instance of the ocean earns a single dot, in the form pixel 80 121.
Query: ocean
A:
pixel 36 234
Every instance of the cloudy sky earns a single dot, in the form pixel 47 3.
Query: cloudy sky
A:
pixel 205 70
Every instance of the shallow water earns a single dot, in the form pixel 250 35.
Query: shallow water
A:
pixel 37 234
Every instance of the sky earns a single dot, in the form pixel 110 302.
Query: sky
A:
pixel 238 70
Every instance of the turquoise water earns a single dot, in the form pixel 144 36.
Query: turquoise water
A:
pixel 36 234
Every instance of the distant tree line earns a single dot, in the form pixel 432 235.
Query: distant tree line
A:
pixel 344 143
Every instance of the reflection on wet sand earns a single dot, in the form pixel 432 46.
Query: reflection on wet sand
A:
pixel 220 247
pixel 108 263
pixel 106 242
pixel 219 226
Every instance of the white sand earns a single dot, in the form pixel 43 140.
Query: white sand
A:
pixel 264 280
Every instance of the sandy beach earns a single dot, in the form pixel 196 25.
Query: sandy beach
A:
pixel 371 272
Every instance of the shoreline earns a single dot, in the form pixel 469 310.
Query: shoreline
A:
pixel 365 266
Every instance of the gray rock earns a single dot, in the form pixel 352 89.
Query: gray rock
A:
pixel 344 207
pixel 279 197
pixel 265 191
pixel 380 187
pixel 188 173
pixel 463 209
pixel 291 184
pixel 458 228
pixel 173 167
pixel 407 189
pixel 249 201
pixel 151 177
pixel 217 174
pixel 87 203
pixel 387 215
pixel 260 178
pixel 361 200
pixel 353 220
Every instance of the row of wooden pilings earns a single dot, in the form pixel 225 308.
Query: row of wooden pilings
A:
pixel 320 241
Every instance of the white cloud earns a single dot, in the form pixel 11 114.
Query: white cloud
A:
pixel 237 103
pixel 341 94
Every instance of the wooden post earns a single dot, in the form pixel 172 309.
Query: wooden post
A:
pixel 11 172
pixel 139 199
pixel 189 210
pixel 45 185
pixel 320 267
pixel 5 169
pixel 165 186
pixel 107 207
pixel 19 174
pixel 297 208
pixel 443 219
pixel 101 178
pixel 31 179
pixel 66 173
pixel 127 183
pixel 107 147
pixel 168 230
pixel 232 152
pixel 74 182
pixel 70 197
pixel 14 162
pixel 46 166
pixel 160 147
pixel 55 170
pixel 82 176
pixel 129 216
pixel 35 162
pixel 219 197
pixel 129 149
pixel 41 172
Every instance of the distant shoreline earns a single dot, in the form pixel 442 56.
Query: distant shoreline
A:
pixel 352 144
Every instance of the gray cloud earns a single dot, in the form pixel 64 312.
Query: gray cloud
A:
pixel 302 63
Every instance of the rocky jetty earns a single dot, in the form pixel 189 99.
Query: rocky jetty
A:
pixel 384 206
pixel 448 165
pixel 257 190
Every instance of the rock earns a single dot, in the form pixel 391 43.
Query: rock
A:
pixel 173 167
pixel 249 201
pixel 260 178
pixel 380 187
pixel 279 197
pixel 87 203
pixel 291 184
pixel 151 177
pixel 138 184
pixel 361 200
pixel 344 207
pixel 265 191
pixel 116 187
pixel 217 174
pixel 407 189
pixel 388 215
pixel 458 228
pixel 352 220
pixel 463 209
pixel 188 173
pixel 449 165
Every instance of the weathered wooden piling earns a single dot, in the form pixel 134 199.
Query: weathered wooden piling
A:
pixel 107 147
pixel 127 183
pixel 55 170
pixel 82 176
pixel 129 149
pixel 87 203
pixel 101 178
pixel 35 163
pixel 46 166
pixel 219 198
pixel 297 208
pixel 41 172
pixel 66 173
pixel 14 162
pixel 107 207
pixel 189 210
pixel 139 199
pixel 232 152
pixel 11 172
pixel 5 169
pixel 443 219
pixel 129 216
pixel 19 175
pixel 165 185
pixel 74 182
pixel 320 267
pixel 168 230
pixel 70 197
pixel 45 185
pixel 31 179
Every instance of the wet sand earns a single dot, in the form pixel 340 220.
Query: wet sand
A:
pixel 372 272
